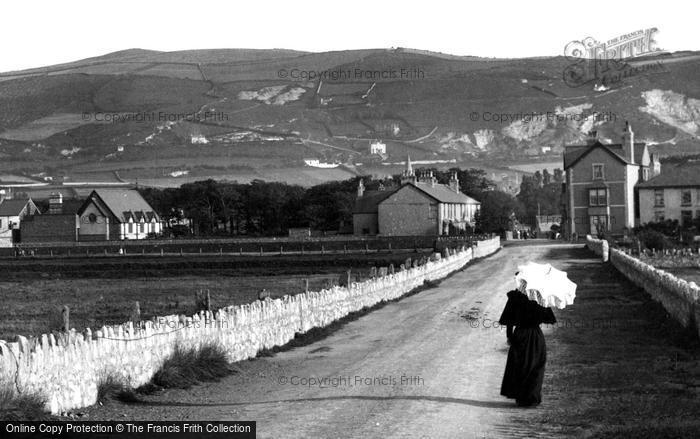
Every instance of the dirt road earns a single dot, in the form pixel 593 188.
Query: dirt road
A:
pixel 427 366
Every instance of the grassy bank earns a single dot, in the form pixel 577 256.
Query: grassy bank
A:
pixel 618 364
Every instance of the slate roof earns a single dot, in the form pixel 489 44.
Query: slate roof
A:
pixel 12 207
pixel 444 194
pixel 69 207
pixel 124 204
pixel 684 175
pixel 369 202
pixel 573 154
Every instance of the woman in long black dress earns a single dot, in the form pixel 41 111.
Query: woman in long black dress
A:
pixel 527 355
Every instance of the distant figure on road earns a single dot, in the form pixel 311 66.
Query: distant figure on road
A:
pixel 527 355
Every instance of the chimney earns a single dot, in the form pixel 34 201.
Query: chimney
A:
pixel 56 204
pixel 592 138
pixel 655 164
pixel 628 142
pixel 454 182
pixel 433 180
pixel 2 195
pixel 360 189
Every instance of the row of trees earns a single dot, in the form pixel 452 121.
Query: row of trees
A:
pixel 256 208
pixel 265 208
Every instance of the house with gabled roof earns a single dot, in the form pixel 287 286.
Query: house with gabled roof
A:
pixel 420 206
pixel 674 194
pixel 12 212
pixel 600 185
pixel 115 214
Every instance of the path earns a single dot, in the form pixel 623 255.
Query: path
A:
pixel 414 368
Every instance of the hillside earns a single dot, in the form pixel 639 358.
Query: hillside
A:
pixel 164 118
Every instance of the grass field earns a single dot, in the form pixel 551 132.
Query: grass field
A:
pixel 101 292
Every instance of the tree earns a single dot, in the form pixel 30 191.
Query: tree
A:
pixel 546 177
pixel 497 211
pixel 538 199
pixel 558 176
pixel 328 205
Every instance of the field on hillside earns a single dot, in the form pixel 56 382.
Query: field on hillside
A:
pixel 245 108
pixel 33 296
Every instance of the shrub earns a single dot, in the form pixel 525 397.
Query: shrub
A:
pixel 185 367
pixel 654 240
pixel 21 407
pixel 112 386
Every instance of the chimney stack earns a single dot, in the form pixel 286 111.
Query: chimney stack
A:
pixel 592 137
pixel 454 182
pixel 56 203
pixel 628 142
pixel 655 164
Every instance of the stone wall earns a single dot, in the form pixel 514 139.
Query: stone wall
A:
pixel 599 247
pixel 68 370
pixel 679 297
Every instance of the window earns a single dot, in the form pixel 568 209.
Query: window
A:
pixel 598 197
pixel 432 211
pixel 659 198
pixel 598 173
pixel 142 227
pixel 93 218
pixel 686 197
pixel 686 218
pixel 659 216
pixel 0 223
pixel 645 174
pixel 131 227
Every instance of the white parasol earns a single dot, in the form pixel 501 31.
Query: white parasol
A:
pixel 546 285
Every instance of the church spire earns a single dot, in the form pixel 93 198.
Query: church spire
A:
pixel 408 175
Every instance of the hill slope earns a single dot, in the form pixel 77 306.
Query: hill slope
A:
pixel 168 117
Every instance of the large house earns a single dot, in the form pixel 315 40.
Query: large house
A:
pixel 599 189
pixel 672 195
pixel 12 212
pixel 419 206
pixel 110 214
pixel 106 215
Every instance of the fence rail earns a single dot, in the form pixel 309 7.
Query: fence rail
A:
pixel 259 246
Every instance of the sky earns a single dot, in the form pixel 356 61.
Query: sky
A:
pixel 37 33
